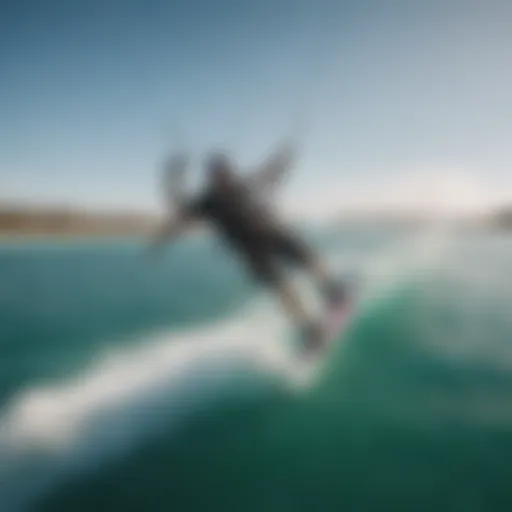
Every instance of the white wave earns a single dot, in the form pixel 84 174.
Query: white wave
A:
pixel 51 431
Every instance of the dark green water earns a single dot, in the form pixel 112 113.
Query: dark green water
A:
pixel 413 412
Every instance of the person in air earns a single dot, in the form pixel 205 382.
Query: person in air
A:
pixel 235 206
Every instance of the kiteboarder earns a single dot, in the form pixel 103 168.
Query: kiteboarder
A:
pixel 234 204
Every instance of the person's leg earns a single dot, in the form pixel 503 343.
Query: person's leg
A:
pixel 311 330
pixel 291 302
pixel 295 249
pixel 267 272
pixel 331 288
pixel 316 267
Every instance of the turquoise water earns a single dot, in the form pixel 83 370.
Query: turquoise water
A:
pixel 132 385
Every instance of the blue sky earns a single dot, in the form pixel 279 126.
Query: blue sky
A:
pixel 90 91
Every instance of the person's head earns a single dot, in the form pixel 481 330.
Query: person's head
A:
pixel 220 169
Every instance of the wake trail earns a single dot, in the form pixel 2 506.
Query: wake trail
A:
pixel 50 432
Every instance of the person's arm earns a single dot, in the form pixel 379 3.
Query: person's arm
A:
pixel 273 169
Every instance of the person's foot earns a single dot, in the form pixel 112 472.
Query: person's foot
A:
pixel 312 336
pixel 335 293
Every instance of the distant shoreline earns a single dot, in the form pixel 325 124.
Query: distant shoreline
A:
pixel 19 239
pixel 12 239
pixel 22 224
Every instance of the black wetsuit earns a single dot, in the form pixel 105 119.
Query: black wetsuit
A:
pixel 248 227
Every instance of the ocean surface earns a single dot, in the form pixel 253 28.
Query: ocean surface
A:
pixel 130 384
